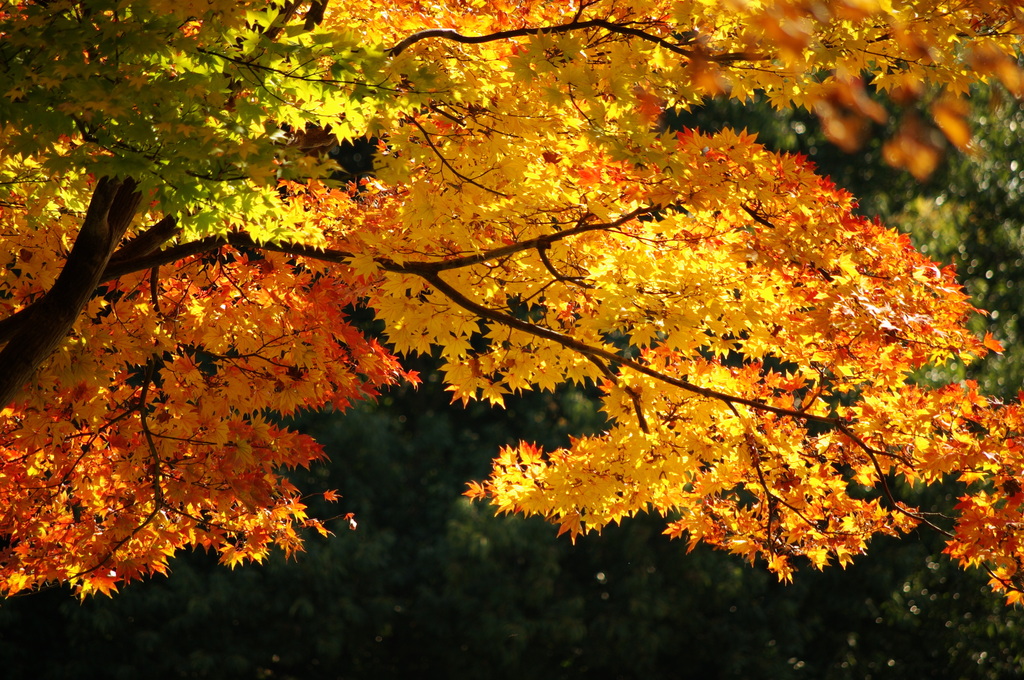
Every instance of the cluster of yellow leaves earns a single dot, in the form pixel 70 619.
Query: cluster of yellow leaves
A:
pixel 753 335
pixel 532 220
pixel 727 416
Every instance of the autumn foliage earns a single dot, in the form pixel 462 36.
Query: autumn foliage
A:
pixel 184 254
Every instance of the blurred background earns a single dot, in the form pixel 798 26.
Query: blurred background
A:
pixel 430 582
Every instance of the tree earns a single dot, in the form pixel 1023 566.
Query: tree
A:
pixel 445 584
pixel 530 218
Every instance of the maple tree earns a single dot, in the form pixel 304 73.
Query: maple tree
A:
pixel 444 582
pixel 183 253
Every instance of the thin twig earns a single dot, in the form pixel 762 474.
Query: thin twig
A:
pixel 446 163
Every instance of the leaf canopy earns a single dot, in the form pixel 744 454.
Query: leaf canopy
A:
pixel 184 237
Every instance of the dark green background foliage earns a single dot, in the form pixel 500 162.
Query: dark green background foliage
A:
pixel 432 583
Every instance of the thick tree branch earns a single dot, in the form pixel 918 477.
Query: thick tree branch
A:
pixel 611 27
pixel 142 253
pixel 539 242
pixel 147 242
pixel 111 209
pixel 124 266
pixel 133 256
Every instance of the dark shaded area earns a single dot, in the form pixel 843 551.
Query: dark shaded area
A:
pixel 430 583
pixel 355 158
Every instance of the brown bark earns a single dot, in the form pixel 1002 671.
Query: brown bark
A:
pixel 111 210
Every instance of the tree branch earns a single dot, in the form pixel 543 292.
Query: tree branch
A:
pixel 110 211
pixel 588 350
pixel 448 164
pixel 142 253
pixel 148 241
pixel 623 29
pixel 136 255
pixel 539 242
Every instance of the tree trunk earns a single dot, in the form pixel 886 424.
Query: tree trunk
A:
pixel 111 209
